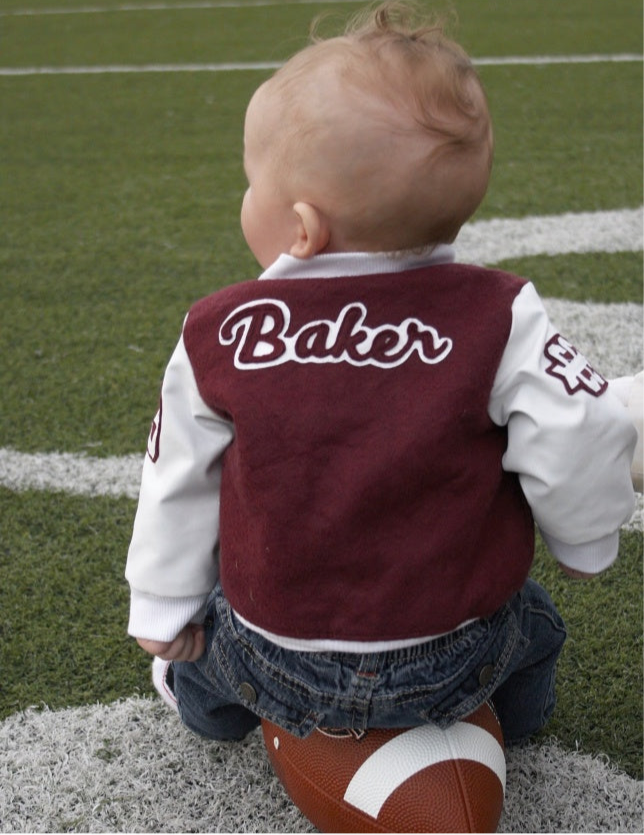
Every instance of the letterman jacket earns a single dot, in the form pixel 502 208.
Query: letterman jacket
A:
pixel 358 446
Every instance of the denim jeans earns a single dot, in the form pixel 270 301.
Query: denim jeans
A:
pixel 508 658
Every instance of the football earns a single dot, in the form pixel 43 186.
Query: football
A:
pixel 421 779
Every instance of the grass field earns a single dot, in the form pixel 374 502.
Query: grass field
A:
pixel 120 204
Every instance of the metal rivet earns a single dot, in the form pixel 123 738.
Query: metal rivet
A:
pixel 486 674
pixel 247 692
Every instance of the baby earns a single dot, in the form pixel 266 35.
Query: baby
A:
pixel 336 519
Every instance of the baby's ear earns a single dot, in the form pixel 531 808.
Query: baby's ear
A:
pixel 312 234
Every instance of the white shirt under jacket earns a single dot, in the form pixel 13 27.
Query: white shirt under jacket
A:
pixel 578 507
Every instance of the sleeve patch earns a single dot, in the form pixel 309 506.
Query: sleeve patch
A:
pixel 572 368
pixel 154 437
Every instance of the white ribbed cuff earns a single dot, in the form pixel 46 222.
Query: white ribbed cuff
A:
pixel 589 557
pixel 162 618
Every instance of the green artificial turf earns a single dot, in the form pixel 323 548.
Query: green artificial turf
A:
pixel 63 602
pixel 115 222
pixel 485 27
pixel 120 207
pixel 604 277
pixel 599 679
pixel 568 138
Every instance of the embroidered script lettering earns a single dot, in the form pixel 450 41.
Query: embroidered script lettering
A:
pixel 259 331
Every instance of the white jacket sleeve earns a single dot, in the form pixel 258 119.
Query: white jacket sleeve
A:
pixel 172 563
pixel 570 440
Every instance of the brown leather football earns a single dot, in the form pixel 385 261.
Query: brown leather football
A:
pixel 420 779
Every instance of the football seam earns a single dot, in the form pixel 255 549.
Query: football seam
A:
pixel 465 802
pixel 460 781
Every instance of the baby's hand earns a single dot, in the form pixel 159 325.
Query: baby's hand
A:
pixel 189 645
pixel 575 573
pixel 630 390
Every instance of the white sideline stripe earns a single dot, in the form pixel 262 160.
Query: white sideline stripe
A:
pixel 408 753
pixel 162 7
pixel 508 60
pixel 71 473
pixel 493 241
pixel 56 774
pixel 142 68
pixel 542 60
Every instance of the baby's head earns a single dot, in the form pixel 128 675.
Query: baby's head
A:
pixel 377 140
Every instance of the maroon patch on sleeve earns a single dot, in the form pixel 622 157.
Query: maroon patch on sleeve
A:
pixel 572 368
pixel 155 433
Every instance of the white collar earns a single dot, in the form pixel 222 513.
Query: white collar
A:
pixel 337 264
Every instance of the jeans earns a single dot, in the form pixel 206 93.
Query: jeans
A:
pixel 508 658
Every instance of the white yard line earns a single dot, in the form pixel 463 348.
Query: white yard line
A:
pixel 164 7
pixel 130 766
pixel 540 60
pixel 142 68
pixel 235 66
pixel 68 472
pixel 493 241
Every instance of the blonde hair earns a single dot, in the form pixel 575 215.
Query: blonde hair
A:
pixel 420 114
